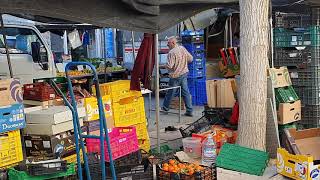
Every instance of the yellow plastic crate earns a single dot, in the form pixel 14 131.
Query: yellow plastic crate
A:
pixel 142 131
pixel 129 111
pixel 10 148
pixel 144 144
pixel 92 110
pixel 117 90
pixel 73 158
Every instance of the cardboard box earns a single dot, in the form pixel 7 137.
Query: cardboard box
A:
pixel 50 129
pixel 48 146
pixel 211 93
pixel 280 77
pixel 269 174
pixel 10 92
pixel 289 112
pixel 92 126
pixel 12 117
pixel 53 115
pixel 297 166
pixel 225 93
pixel 92 111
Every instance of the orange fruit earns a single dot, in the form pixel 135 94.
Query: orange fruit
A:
pixel 199 168
pixel 165 165
pixel 190 172
pixel 171 169
pixel 165 168
pixel 172 162
pixel 180 165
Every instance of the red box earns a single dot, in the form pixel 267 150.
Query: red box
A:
pixel 40 91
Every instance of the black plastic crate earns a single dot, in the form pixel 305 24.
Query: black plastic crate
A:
pixel 142 170
pixel 311 112
pixel 122 164
pixel 201 125
pixel 217 114
pixel 309 95
pixel 47 167
pixel 292 57
pixel 292 20
pixel 315 15
pixel 305 77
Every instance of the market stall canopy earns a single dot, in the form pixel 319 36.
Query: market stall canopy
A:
pixel 138 15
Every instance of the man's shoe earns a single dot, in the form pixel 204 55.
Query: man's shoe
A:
pixel 188 114
pixel 164 109
pixel 170 128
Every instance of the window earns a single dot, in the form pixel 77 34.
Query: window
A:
pixel 19 41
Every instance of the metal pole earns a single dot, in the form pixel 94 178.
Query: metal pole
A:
pixel 65 43
pixel 271 42
pixel 6 46
pixel 133 49
pixel 226 34
pixel 179 104
pixel 104 55
pixel 157 90
pixel 230 26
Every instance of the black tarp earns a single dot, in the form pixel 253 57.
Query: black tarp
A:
pixel 138 15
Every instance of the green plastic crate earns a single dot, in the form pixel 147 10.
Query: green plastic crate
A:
pixel 315 35
pixel 22 175
pixel 242 159
pixel 285 95
pixel 292 38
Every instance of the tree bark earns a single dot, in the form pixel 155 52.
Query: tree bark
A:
pixel 253 73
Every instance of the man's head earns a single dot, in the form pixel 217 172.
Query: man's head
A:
pixel 172 42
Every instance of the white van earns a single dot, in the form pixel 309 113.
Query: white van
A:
pixel 30 56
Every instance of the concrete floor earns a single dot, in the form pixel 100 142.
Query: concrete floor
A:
pixel 172 138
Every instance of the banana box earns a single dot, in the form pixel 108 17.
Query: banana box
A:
pixel 92 110
pixel 300 167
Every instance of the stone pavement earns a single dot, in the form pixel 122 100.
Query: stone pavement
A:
pixel 172 138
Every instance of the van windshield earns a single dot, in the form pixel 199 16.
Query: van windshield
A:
pixel 19 40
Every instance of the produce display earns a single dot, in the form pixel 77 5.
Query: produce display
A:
pixel 176 169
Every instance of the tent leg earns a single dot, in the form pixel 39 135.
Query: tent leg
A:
pixel 6 46
pixel 133 47
pixel 157 90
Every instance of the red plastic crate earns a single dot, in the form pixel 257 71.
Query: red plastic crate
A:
pixel 123 141
pixel 40 91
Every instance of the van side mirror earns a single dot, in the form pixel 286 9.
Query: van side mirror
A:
pixel 35 50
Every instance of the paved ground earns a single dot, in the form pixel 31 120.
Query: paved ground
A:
pixel 172 138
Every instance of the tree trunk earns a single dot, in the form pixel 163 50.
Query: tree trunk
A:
pixel 253 73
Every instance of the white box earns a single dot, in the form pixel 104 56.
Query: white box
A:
pixel 49 129
pixel 53 115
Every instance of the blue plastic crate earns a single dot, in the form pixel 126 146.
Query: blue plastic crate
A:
pixel 197 73
pixel 192 87
pixel 194 47
pixel 197 64
pixel 192 33
pixel 197 88
pixel 201 92
pixel 197 54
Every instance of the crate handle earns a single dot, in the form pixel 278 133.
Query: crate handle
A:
pixel 6 113
pixel 3 89
pixel 4 135
pixel 292 109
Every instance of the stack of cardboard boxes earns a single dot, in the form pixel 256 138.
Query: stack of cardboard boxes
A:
pixel 11 121
pixel 288 103
pixel 221 93
pixel 49 132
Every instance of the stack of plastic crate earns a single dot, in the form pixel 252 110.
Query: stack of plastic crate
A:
pixel 128 109
pixel 12 119
pixel 193 41
pixel 297 46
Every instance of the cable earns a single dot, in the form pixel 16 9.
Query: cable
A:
pixel 283 5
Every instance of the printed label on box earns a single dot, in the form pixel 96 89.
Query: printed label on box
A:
pixel 11 118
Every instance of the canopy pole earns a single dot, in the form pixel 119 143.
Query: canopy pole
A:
pixel 65 43
pixel 230 31
pixel 157 90
pixel 6 46
pixel 133 49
